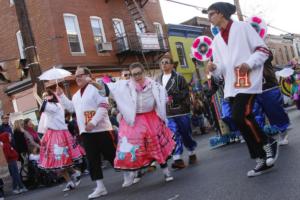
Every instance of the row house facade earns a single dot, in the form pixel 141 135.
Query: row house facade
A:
pixel 104 35
pixel 284 49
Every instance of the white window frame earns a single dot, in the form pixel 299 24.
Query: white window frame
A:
pixel 124 34
pixel 183 65
pixel 11 3
pixel 122 26
pixel 137 28
pixel 78 32
pixel 20 44
pixel 161 31
pixel 101 26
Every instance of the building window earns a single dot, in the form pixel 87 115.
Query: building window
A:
pixel 11 2
pixel 21 45
pixel 98 31
pixel 121 37
pixel 139 27
pixel 293 52
pixel 158 29
pixel 287 53
pixel 160 35
pixel 181 54
pixel 281 56
pixel 298 48
pixel 73 33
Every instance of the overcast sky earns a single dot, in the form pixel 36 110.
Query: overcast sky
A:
pixel 284 14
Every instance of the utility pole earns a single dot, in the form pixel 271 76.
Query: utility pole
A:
pixel 238 10
pixel 29 45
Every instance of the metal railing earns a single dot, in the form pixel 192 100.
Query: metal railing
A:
pixel 140 42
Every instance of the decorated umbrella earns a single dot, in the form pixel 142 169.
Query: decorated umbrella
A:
pixel 259 25
pixel 201 48
pixel 286 72
pixel 54 74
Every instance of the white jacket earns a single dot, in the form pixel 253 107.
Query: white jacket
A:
pixel 242 42
pixel 90 107
pixel 125 95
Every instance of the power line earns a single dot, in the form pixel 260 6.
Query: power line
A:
pixel 202 8
pixel 189 5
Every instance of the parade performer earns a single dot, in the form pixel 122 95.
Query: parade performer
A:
pixel 178 111
pixel 295 82
pixel 94 126
pixel 270 102
pixel 239 55
pixel 143 135
pixel 58 150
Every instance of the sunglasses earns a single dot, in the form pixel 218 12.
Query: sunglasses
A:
pixel 165 62
pixel 137 74
pixel 79 75
pixel 126 75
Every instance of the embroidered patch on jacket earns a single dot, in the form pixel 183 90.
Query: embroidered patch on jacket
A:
pixel 88 116
pixel 241 81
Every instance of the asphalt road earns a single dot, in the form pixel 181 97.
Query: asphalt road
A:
pixel 220 174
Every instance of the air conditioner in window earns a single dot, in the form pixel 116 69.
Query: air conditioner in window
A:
pixel 104 46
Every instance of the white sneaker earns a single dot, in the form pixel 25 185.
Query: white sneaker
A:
pixel 260 168
pixel 169 178
pixel 136 180
pixel 16 191
pixel 283 139
pixel 76 177
pixel 98 193
pixel 69 186
pixel 272 152
pixel 242 140
pixel 128 179
pixel 137 177
pixel 23 190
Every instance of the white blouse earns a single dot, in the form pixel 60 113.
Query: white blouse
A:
pixel 145 100
pixel 55 116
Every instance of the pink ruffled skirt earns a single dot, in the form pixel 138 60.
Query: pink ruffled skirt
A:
pixel 147 141
pixel 59 150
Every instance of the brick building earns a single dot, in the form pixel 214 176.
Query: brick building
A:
pixel 105 35
pixel 283 49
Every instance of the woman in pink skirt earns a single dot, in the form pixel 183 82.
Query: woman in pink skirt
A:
pixel 143 134
pixel 58 150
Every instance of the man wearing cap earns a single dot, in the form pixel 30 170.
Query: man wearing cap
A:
pixel 239 55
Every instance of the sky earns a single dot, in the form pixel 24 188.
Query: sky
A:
pixel 283 14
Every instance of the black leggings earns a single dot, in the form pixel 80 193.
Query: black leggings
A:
pixel 97 144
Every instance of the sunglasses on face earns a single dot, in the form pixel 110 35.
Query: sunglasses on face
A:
pixel 79 75
pixel 126 75
pixel 165 62
pixel 137 74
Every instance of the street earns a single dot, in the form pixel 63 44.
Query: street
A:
pixel 220 174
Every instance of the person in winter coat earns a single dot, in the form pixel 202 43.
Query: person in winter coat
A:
pixel 12 156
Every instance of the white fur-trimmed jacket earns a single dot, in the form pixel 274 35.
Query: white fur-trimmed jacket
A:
pixel 125 95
